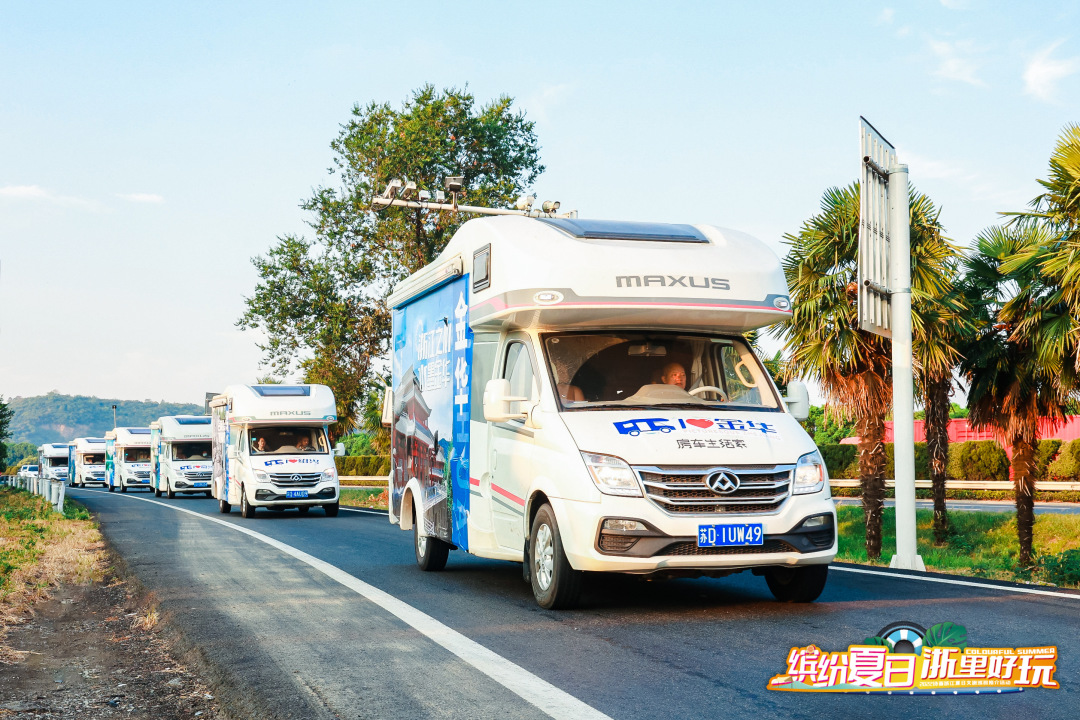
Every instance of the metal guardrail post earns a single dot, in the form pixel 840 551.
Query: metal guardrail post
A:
pixel 58 494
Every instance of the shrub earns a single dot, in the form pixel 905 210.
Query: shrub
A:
pixel 1048 450
pixel 978 460
pixel 1066 466
pixel 363 465
pixel 843 461
pixel 838 458
pixel 1062 568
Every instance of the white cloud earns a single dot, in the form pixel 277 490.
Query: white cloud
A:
pixel 1043 72
pixel 956 60
pixel 903 31
pixel 545 99
pixel 956 4
pixel 142 198
pixel 886 16
pixel 36 192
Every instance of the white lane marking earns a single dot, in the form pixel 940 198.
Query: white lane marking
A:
pixel 363 511
pixel 545 696
pixel 965 583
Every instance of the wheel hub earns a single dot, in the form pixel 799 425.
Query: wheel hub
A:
pixel 543 557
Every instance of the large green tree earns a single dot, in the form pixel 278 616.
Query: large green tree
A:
pixel 6 415
pixel 823 340
pixel 1013 380
pixel 320 302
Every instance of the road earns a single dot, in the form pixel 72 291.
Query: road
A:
pixel 316 617
pixel 1041 508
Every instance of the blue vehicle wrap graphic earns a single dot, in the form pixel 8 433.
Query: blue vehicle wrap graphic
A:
pixel 432 381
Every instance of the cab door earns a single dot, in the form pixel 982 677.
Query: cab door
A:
pixel 512 446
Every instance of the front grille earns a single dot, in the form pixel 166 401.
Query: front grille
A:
pixel 142 474
pixel 682 490
pixel 690 548
pixel 295 479
pixel 197 475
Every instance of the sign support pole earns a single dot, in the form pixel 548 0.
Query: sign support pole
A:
pixel 907 554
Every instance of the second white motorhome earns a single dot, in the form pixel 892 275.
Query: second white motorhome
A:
pixel 271 448
pixel 53 461
pixel 127 458
pixel 86 462
pixel 578 395
pixel 180 455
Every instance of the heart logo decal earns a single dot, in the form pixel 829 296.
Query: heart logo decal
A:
pixel 700 423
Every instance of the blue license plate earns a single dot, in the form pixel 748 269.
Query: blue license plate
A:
pixel 198 484
pixel 729 535
pixel 296 493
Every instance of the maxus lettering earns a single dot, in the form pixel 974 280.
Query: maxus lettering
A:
pixel 686 281
pixel 276 413
pixel 290 461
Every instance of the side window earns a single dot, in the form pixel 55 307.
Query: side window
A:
pixel 519 371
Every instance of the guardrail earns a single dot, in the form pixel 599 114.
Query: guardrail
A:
pixel 966 484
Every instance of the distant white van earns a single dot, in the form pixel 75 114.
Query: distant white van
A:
pixel 86 462
pixel 271 448
pixel 53 461
pixel 180 455
pixel 127 458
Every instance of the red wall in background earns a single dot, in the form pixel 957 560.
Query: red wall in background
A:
pixel 960 431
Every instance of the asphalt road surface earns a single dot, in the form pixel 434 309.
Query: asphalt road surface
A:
pixel 317 617
pixel 979 505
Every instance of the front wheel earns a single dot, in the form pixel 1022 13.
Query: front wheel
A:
pixel 246 509
pixel 556 585
pixel 157 492
pixel 431 552
pixel 123 487
pixel 223 503
pixel 797 584
pixel 331 509
pixel 169 492
pixel 110 487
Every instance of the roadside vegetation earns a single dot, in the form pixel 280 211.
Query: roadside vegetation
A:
pixel 375 498
pixel 979 544
pixel 39 550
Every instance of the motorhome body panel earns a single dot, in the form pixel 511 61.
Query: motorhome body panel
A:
pixel 86 461
pixel 53 461
pixel 127 457
pixel 180 455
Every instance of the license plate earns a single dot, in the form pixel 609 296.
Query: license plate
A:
pixel 198 484
pixel 296 493
pixel 729 535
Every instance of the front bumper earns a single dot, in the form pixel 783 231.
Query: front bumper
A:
pixel 270 494
pixel 670 543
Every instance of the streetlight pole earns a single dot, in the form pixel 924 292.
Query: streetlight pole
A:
pixel 114 416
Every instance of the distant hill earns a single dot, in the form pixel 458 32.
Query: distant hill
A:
pixel 59 418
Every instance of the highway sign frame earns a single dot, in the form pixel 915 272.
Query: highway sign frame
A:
pixel 878 156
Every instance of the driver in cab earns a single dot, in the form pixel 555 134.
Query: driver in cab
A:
pixel 674 374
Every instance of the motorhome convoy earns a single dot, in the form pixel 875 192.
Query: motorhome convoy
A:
pixel 577 395
pixel 53 461
pixel 180 455
pixel 86 462
pixel 271 448
pixel 127 458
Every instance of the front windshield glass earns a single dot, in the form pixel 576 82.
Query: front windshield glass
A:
pixel 191 451
pixel 287 441
pixel 647 369
pixel 94 459
pixel 137 455
pixel 58 462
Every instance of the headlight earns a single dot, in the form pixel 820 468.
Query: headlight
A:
pixel 810 474
pixel 329 474
pixel 612 475
pixel 261 476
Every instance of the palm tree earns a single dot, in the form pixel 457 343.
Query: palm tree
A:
pixel 1013 380
pixel 822 338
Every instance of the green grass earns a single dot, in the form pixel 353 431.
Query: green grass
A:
pixel 982 544
pixel 373 497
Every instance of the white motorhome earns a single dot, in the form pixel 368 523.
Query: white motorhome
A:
pixel 271 448
pixel 578 395
pixel 180 455
pixel 127 458
pixel 86 462
pixel 53 461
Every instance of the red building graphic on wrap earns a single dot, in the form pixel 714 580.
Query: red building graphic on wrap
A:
pixel 417 454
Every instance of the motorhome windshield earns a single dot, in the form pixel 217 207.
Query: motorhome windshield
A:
pixel 191 451
pixel 56 462
pixel 136 454
pixel 287 440
pixel 629 369
pixel 94 459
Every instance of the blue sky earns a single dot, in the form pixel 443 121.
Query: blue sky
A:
pixel 147 153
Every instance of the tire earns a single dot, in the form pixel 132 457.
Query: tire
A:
pixel 556 585
pixel 169 492
pixel 123 487
pixel 223 504
pixel 331 509
pixel 304 508
pixel 431 552
pixel 209 494
pixel 246 509
pixel 797 584
pixel 110 488
pixel 157 492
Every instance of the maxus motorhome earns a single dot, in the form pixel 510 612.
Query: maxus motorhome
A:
pixel 577 395
pixel 180 455
pixel 53 461
pixel 271 448
pixel 127 458
pixel 86 462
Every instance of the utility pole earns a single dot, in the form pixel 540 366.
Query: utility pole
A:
pixel 114 416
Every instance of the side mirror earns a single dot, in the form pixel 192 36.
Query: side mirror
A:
pixel 798 400
pixel 339 450
pixel 387 406
pixel 231 453
pixel 497 402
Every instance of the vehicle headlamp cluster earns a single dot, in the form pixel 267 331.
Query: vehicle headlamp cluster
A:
pixel 612 475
